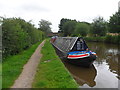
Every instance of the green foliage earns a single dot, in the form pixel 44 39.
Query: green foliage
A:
pixel 67 26
pixel 62 22
pixel 114 23
pixel 18 35
pixel 82 29
pixel 95 39
pixel 0 75
pixel 45 26
pixel 99 27
pixel 73 28
pixel 70 27
pixel 107 39
pixel 51 72
pixel 13 66
pixel 112 39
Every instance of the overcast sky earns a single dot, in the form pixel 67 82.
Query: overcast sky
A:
pixel 55 10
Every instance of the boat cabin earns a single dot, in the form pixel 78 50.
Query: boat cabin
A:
pixel 80 45
pixel 67 44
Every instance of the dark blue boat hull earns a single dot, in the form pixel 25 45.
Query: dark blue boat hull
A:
pixel 86 62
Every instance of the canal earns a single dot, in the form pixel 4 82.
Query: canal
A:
pixel 104 71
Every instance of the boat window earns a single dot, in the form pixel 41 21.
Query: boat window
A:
pixel 78 45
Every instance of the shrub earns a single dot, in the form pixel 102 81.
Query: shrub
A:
pixel 107 39
pixel 112 39
pixel 18 35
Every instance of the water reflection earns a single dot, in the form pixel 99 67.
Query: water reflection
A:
pixel 83 75
pixel 106 63
pixel 106 53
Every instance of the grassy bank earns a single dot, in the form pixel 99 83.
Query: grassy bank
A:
pixel 0 76
pixel 51 72
pixel 106 39
pixel 13 65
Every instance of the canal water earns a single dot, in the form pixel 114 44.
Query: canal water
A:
pixel 104 71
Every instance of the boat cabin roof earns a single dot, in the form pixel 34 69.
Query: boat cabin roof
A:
pixel 66 44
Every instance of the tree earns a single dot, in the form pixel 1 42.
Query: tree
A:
pixel 99 27
pixel 82 29
pixel 114 23
pixel 45 26
pixel 67 26
pixel 62 22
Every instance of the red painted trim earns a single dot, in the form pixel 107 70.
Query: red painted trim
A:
pixel 78 55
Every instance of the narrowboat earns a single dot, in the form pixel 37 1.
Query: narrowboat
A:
pixel 74 50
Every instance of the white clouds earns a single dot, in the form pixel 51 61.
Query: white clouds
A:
pixel 54 10
pixel 33 8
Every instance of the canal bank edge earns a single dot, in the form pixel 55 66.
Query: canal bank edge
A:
pixel 51 71
pixel 106 39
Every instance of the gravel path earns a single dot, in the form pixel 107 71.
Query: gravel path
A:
pixel 29 70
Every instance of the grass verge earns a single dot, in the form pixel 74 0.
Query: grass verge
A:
pixel 13 65
pixel 0 76
pixel 51 72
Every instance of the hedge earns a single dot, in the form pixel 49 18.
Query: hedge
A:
pixel 18 35
pixel 106 39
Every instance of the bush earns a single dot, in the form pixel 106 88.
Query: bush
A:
pixel 112 39
pixel 107 39
pixel 95 39
pixel 18 35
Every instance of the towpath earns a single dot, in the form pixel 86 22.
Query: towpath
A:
pixel 25 79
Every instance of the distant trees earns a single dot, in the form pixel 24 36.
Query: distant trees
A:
pixel 45 26
pixel 98 30
pixel 82 29
pixel 17 35
pixel 99 27
pixel 67 26
pixel 73 28
pixel 114 23
pixel 62 22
